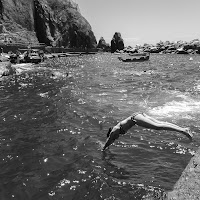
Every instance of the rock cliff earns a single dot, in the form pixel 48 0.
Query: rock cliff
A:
pixel 53 22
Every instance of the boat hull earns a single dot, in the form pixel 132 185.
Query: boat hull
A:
pixel 135 59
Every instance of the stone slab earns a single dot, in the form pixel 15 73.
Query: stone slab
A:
pixel 188 185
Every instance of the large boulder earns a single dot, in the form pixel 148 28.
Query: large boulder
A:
pixel 103 45
pixel 193 45
pixel 181 51
pixel 53 22
pixel 117 42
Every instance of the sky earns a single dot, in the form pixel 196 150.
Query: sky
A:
pixel 143 21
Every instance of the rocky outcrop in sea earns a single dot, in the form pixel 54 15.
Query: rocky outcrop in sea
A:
pixel 117 43
pixel 103 45
pixel 53 22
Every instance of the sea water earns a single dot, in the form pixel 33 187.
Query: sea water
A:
pixel 52 128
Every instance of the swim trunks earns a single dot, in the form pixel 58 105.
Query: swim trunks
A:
pixel 122 131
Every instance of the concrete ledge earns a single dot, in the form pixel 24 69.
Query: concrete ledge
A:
pixel 188 185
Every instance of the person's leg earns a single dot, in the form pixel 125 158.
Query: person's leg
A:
pixel 149 122
pixel 159 121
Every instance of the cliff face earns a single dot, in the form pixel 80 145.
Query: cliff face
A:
pixel 53 22
pixel 19 12
pixel 17 20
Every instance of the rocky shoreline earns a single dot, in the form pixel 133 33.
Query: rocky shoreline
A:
pixel 167 47
pixel 178 47
pixel 188 185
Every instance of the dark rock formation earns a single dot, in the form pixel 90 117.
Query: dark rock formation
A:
pixel 53 22
pixel 103 45
pixel 117 42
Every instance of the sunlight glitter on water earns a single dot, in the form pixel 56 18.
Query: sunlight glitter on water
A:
pixel 176 108
pixel 51 137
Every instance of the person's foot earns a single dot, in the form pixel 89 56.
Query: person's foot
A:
pixel 188 133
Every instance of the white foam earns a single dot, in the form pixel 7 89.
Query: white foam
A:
pixel 122 91
pixel 184 106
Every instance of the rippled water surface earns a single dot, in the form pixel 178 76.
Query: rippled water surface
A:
pixel 52 128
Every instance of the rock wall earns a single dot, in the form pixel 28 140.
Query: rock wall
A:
pixel 53 22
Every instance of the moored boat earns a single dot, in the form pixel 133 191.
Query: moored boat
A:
pixel 134 59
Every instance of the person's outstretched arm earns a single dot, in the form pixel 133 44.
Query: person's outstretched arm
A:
pixel 112 135
pixel 108 142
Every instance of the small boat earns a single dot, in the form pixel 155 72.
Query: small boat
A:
pixel 29 56
pixel 135 59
